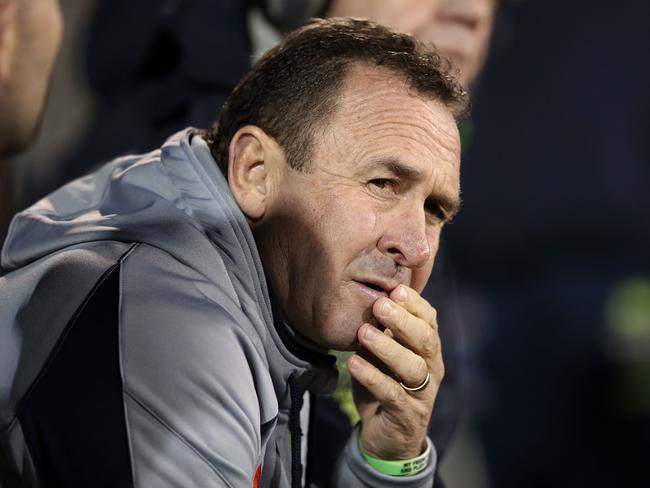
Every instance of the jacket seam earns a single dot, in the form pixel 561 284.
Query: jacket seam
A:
pixel 176 434
pixel 68 328
pixel 127 424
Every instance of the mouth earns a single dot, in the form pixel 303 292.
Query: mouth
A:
pixel 467 23
pixel 375 288
pixel 456 34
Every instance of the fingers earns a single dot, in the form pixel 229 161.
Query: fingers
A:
pixel 394 419
pixel 410 368
pixel 382 387
pixel 414 332
pixel 415 304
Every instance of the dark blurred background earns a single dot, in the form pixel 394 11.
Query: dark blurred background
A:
pixel 552 248
pixel 550 254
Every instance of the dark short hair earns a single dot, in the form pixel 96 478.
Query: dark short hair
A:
pixel 293 88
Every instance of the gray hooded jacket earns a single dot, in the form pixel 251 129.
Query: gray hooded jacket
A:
pixel 138 345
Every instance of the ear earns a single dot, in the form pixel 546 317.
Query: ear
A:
pixel 255 165
pixel 7 37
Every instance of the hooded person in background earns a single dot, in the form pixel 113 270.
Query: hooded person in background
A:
pixel 30 35
pixel 166 316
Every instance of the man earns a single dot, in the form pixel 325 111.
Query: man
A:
pixel 460 30
pixel 30 34
pixel 165 319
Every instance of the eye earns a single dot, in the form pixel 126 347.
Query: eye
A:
pixel 384 184
pixel 434 210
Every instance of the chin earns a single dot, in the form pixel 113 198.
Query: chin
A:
pixel 341 335
pixel 342 345
pixel 336 322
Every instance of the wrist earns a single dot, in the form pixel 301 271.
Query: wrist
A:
pixel 394 450
pixel 401 467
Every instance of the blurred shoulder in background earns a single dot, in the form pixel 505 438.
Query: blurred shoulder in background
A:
pixel 30 35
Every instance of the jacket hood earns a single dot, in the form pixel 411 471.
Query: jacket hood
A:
pixel 174 198
pixel 134 198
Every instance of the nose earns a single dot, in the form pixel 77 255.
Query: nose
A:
pixel 407 240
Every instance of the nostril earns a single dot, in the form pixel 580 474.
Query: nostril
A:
pixel 394 250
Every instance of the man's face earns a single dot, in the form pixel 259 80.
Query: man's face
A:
pixel 368 213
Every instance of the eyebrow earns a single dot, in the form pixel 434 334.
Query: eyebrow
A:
pixel 450 204
pixel 399 168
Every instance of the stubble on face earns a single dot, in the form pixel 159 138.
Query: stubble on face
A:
pixel 331 228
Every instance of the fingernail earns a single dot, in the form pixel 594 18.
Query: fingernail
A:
pixel 400 294
pixel 353 363
pixel 370 333
pixel 386 308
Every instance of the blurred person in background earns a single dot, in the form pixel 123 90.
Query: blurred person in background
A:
pixel 146 61
pixel 30 35
pixel 461 29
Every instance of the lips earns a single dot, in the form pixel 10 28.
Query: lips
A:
pixel 461 25
pixel 466 21
pixel 375 287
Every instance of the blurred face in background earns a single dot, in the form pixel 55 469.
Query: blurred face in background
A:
pixel 30 35
pixel 460 29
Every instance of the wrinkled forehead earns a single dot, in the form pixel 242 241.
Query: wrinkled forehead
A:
pixel 379 112
pixel 373 90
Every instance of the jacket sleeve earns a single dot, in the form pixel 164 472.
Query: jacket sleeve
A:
pixel 353 471
pixel 192 379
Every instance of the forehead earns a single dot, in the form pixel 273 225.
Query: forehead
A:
pixel 379 116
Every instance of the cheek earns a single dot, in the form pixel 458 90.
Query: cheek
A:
pixel 420 277
pixel 362 222
pixel 350 224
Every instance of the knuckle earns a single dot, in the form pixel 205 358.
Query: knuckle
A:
pixel 434 315
pixel 390 351
pixel 431 317
pixel 431 343
pixel 395 396
pixel 439 372
pixel 419 370
pixel 402 320
pixel 422 412
pixel 374 379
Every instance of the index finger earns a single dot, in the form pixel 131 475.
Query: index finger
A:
pixel 411 300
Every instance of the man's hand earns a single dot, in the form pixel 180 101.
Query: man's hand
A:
pixel 394 421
